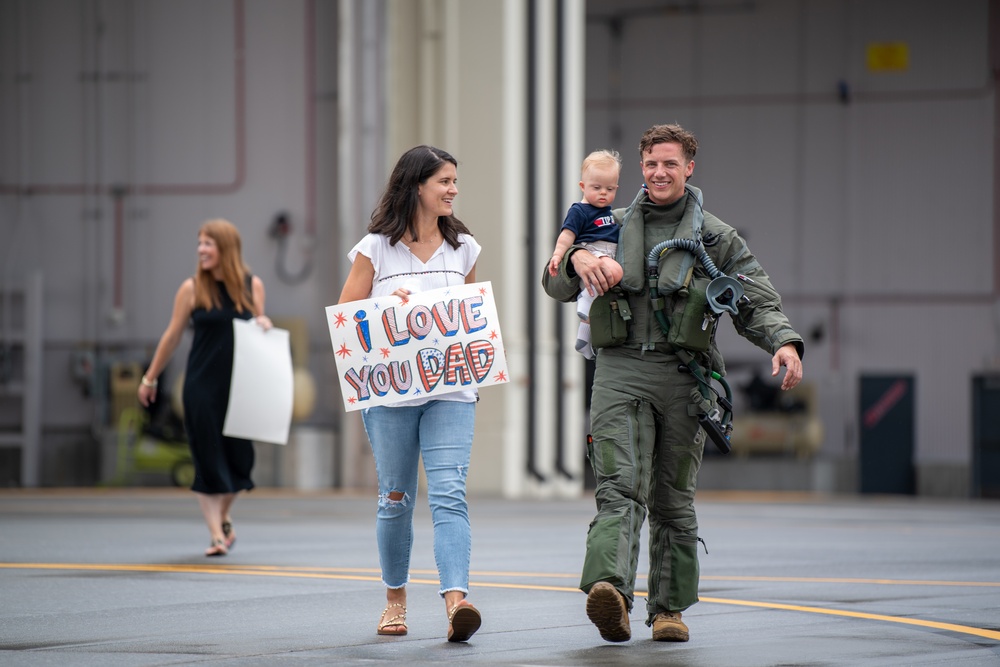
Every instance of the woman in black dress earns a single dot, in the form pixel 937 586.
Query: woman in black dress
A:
pixel 222 289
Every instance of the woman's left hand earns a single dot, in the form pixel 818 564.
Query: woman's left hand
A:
pixel 264 322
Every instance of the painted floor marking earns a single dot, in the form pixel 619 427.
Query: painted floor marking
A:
pixel 951 627
pixel 371 574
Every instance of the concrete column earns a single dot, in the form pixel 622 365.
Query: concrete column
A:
pixel 458 77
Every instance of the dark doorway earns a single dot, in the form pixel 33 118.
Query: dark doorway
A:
pixel 886 412
pixel 986 436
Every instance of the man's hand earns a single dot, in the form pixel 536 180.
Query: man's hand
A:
pixel 787 356
pixel 595 276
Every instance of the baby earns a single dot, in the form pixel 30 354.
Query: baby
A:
pixel 590 223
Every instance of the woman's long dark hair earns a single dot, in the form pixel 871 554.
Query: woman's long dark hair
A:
pixel 396 209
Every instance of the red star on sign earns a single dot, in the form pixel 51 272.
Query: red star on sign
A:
pixel 493 334
pixel 343 351
pixel 340 320
pixel 351 400
pixel 482 290
pixel 384 351
pixel 500 377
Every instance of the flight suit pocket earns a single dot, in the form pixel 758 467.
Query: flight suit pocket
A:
pixel 609 320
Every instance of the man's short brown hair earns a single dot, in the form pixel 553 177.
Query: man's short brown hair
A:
pixel 669 134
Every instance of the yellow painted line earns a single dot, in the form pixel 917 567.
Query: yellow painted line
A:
pixel 266 571
pixel 320 571
pixel 339 574
pixel 293 568
pixel 567 575
pixel 195 569
pixel 951 627
pixel 850 580
pixel 528 587
pixel 477 573
pixel 530 575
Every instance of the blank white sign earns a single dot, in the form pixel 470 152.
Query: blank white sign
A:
pixel 260 398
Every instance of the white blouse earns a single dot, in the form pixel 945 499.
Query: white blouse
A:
pixel 395 267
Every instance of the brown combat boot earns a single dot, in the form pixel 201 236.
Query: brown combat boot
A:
pixel 607 610
pixel 668 627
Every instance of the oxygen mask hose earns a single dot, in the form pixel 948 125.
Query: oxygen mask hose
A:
pixel 725 293
pixel 692 246
pixel 653 273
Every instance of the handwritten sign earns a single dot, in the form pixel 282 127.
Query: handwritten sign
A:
pixel 431 343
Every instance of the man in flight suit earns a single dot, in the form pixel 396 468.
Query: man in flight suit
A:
pixel 646 441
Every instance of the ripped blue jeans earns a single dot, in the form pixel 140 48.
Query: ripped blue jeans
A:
pixel 441 433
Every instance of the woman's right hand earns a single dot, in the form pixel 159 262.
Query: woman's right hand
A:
pixel 147 395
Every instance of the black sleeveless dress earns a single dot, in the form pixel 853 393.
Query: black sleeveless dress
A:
pixel 222 464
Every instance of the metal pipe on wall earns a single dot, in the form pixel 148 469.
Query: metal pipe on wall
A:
pixel 93 189
pixel 118 192
pixel 833 302
pixel 239 166
pixel 531 241
pixel 561 196
pixel 994 56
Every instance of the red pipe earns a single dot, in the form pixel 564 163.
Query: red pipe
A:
pixel 119 192
pixel 119 250
pixel 310 226
pixel 239 125
pixel 994 47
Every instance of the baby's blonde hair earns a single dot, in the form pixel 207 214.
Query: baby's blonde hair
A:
pixel 605 157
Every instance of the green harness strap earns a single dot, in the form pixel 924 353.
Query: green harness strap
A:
pixel 718 424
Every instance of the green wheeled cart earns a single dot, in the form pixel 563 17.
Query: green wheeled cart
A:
pixel 142 450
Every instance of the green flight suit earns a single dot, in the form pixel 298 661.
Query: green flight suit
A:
pixel 646 444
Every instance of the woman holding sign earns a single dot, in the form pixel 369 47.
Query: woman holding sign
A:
pixel 221 289
pixel 416 243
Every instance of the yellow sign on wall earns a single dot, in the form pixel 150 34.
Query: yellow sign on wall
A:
pixel 888 56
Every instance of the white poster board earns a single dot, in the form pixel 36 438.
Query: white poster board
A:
pixel 435 342
pixel 260 398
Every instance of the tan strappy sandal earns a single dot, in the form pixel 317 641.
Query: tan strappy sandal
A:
pixel 463 621
pixel 217 548
pixel 396 625
pixel 227 530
